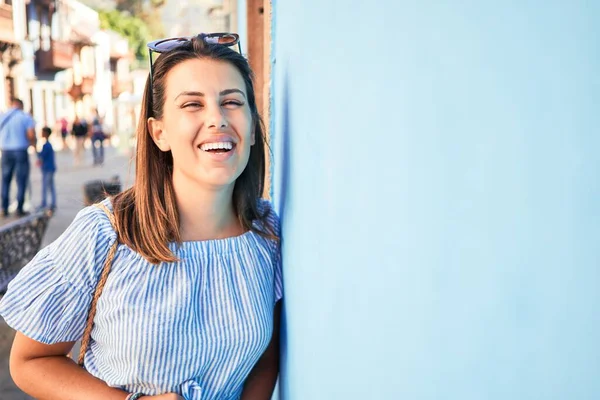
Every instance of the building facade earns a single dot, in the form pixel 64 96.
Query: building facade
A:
pixel 55 57
pixel 190 17
pixel 13 60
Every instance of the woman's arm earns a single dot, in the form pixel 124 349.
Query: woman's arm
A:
pixel 46 373
pixel 261 381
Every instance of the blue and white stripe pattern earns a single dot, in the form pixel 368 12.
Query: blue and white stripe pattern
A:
pixel 195 327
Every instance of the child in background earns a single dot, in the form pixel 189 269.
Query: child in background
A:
pixel 48 165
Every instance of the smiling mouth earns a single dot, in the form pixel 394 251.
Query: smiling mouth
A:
pixel 218 147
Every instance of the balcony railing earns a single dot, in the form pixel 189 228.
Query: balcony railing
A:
pixel 87 85
pixel 7 31
pixel 59 57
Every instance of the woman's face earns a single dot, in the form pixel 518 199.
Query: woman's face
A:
pixel 207 124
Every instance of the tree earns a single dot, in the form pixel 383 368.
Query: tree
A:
pixel 147 11
pixel 133 28
pixel 137 20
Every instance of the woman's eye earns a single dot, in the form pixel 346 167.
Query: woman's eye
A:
pixel 191 105
pixel 232 103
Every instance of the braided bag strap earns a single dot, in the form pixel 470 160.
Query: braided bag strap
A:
pixel 85 341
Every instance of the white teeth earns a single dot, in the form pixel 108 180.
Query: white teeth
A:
pixel 217 146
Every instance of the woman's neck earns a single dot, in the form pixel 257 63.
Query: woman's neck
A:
pixel 205 213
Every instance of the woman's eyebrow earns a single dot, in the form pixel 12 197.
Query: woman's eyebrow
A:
pixel 186 93
pixel 229 91
pixel 222 93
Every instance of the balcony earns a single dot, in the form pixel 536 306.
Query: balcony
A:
pixel 86 87
pixel 43 3
pixel 7 31
pixel 58 58
pixel 82 36
pixel 119 47
pixel 121 86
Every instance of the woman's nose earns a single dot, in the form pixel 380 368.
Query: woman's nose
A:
pixel 216 118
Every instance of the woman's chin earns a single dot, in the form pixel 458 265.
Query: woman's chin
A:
pixel 218 180
pixel 214 177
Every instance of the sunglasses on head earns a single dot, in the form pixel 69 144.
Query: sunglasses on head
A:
pixel 165 45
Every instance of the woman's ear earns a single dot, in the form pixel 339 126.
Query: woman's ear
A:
pixel 156 129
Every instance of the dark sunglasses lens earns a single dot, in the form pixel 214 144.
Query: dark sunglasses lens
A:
pixel 170 44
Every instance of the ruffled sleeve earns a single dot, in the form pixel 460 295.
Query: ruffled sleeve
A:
pixel 49 299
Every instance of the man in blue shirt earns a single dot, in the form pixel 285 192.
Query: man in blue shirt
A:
pixel 16 135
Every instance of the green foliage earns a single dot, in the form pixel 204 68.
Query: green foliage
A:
pixel 137 30
pixel 147 11
pixel 133 28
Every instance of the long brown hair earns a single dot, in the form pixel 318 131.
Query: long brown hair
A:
pixel 146 214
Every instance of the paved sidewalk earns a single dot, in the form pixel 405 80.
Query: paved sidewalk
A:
pixel 69 182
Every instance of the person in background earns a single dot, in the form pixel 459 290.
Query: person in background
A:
pixel 79 132
pixel 17 133
pixel 48 165
pixel 97 136
pixel 64 131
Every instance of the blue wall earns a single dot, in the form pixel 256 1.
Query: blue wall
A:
pixel 437 174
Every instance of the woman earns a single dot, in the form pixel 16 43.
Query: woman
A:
pixel 97 138
pixel 79 131
pixel 190 308
pixel 64 131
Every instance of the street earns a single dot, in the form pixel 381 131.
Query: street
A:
pixel 69 186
